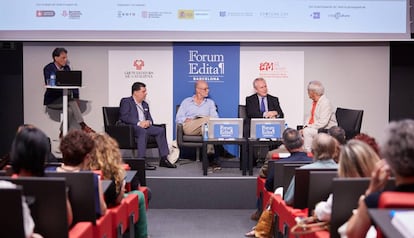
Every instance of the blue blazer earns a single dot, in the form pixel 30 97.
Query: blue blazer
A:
pixel 128 112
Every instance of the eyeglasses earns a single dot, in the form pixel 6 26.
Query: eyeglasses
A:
pixel 205 89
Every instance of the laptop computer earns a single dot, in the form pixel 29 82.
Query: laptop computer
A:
pixel 225 128
pixel 69 78
pixel 266 128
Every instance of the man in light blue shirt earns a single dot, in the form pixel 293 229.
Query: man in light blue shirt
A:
pixel 196 110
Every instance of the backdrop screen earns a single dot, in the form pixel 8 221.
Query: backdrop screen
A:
pixel 241 20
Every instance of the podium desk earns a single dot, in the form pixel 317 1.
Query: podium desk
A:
pixel 65 90
pixel 237 141
pixel 259 142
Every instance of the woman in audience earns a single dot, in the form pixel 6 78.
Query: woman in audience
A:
pixel 356 159
pixel 398 154
pixel 77 147
pixel 107 158
pixel 29 151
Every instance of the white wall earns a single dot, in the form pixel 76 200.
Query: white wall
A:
pixel 355 76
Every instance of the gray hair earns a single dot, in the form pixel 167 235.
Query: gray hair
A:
pixel 316 87
pixel 398 147
pixel 292 139
pixel 256 80
pixel 323 147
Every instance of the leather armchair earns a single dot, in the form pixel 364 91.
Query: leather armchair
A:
pixel 122 133
pixel 350 120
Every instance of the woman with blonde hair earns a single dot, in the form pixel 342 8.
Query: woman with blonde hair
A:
pixel 356 159
pixel 108 159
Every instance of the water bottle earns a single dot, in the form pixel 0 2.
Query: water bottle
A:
pixel 205 131
pixel 52 79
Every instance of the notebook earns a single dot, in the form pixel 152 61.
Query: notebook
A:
pixel 225 128
pixel 69 78
pixel 266 128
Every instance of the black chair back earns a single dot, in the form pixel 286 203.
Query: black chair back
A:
pixel 11 217
pixel 320 186
pixel 350 120
pixel 284 172
pixel 46 198
pixel 111 115
pixel 81 194
pixel 302 178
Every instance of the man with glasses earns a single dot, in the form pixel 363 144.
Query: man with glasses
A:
pixel 194 112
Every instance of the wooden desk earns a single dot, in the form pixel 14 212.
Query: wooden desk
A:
pixel 65 90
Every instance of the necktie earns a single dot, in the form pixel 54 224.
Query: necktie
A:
pixel 312 119
pixel 262 105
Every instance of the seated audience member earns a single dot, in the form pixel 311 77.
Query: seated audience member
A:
pixel 294 144
pixel 135 111
pixel 322 115
pixel 76 148
pixel 323 150
pixel 397 151
pixel 29 150
pixel 369 140
pixel 339 134
pixel 107 158
pixel 356 159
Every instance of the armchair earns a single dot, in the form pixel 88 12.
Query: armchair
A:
pixel 350 120
pixel 123 134
pixel 187 140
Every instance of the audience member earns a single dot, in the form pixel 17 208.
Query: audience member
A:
pixel 29 151
pixel 369 140
pixel 134 110
pixel 107 158
pixel 356 159
pixel 339 134
pixel 322 115
pixel 53 98
pixel 397 151
pixel 76 148
pixel 294 144
pixel 323 150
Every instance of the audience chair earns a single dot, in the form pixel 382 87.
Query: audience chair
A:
pixel 81 230
pixel 396 200
pixel 123 133
pixel 11 216
pixel 350 120
pixel 133 212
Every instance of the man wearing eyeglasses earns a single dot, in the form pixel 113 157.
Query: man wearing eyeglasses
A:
pixel 196 110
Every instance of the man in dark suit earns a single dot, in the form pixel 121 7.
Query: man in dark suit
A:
pixel 135 111
pixel 261 105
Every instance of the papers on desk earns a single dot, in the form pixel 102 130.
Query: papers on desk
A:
pixel 403 222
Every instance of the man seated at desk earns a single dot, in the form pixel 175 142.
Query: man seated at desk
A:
pixel 194 112
pixel 53 98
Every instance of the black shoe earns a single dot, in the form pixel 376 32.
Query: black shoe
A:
pixel 150 167
pixel 165 163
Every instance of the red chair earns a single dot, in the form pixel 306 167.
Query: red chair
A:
pixel 119 215
pixel 145 191
pixel 132 202
pixel 395 200
pixel 103 227
pixel 81 230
